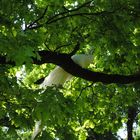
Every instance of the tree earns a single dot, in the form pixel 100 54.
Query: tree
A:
pixel 36 35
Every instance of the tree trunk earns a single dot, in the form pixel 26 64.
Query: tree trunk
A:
pixel 132 113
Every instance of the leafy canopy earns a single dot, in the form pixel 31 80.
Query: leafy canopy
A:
pixel 110 28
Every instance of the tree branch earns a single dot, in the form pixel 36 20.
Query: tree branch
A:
pixel 77 47
pixel 35 22
pixel 67 15
pixel 81 14
pixel 56 15
pixel 64 60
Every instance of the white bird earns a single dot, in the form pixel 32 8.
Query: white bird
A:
pixel 59 76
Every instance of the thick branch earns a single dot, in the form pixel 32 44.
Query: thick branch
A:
pixel 65 61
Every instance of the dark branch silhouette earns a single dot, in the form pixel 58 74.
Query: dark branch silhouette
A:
pixel 64 60
pixel 33 24
pixel 75 12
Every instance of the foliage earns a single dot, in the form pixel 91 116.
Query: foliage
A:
pixel 110 28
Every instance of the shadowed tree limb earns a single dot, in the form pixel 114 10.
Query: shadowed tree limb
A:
pixel 64 60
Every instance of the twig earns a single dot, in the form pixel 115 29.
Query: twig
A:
pixel 59 47
pixel 69 11
pixel 47 47
pixel 79 14
pixel 82 91
pixel 34 22
pixel 77 47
